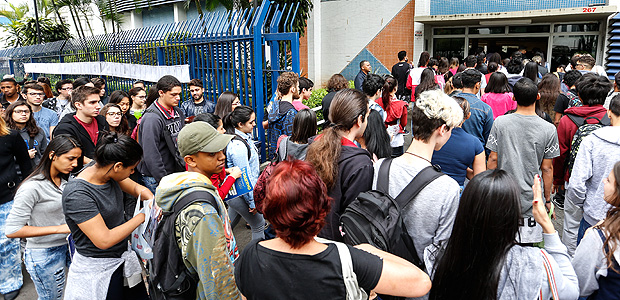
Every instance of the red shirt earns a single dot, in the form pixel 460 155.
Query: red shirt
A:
pixel 223 183
pixel 92 129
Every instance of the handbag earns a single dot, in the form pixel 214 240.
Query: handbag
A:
pixel 138 242
pixel 354 292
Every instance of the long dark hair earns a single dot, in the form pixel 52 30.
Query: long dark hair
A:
pixel 498 83
pixel 485 228
pixel 427 82
pixel 323 154
pixel 549 90
pixel 114 148
pixel 123 127
pixel 117 96
pixel 531 71
pixel 304 126
pixel 389 86
pixel 241 114
pixel 59 145
pixel 224 104
pixel 31 124
pixel 376 137
pixel 611 224
pixel 424 58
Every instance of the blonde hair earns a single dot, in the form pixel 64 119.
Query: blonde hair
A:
pixel 435 104
pixel 4 130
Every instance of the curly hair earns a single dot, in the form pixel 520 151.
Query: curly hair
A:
pixel 337 82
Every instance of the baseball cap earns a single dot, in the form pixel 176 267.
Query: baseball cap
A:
pixel 201 137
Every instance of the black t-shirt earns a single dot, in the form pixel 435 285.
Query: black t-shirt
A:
pixel 561 104
pixel 263 273
pixel 400 71
pixel 82 201
pixel 325 103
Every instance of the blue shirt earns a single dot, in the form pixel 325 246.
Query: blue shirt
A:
pixel 457 154
pixel 45 119
pixel 481 120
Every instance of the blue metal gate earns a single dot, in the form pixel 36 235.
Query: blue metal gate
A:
pixel 242 51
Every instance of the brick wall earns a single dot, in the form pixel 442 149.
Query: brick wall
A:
pixel 396 36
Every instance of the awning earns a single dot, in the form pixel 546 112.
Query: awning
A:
pixel 575 14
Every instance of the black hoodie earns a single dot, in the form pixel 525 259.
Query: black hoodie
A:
pixel 355 174
pixel 69 125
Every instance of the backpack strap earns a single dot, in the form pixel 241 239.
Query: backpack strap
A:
pixel 383 178
pixel 239 138
pixel 195 196
pixel 550 276
pixel 417 184
pixel 603 238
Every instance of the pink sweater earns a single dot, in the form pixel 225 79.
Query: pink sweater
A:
pixel 500 103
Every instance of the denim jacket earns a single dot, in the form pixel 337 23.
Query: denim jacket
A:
pixel 481 120
pixel 237 156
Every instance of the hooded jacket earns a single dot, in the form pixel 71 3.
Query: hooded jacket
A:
pixel 597 155
pixel 355 172
pixel 590 263
pixel 280 117
pixel 69 125
pixel 566 130
pixel 205 237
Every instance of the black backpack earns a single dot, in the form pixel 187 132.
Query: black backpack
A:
pixel 376 218
pixel 169 278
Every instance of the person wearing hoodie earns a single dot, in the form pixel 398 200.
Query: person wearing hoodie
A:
pixel 430 215
pixel 281 111
pixel 85 125
pixel 597 154
pixel 205 238
pixel 483 260
pixel 592 90
pixel 597 256
pixel 345 168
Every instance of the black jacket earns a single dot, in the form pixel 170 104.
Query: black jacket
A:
pixel 69 125
pixel 355 174
pixel 12 149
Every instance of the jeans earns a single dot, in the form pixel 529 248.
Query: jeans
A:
pixel 10 261
pixel 237 208
pixel 150 183
pixel 583 226
pixel 47 269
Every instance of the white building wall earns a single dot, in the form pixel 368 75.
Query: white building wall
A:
pixel 422 8
pixel 346 28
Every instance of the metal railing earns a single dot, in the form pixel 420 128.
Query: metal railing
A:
pixel 242 51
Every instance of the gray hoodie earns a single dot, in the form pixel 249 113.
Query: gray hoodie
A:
pixel 590 263
pixel 597 155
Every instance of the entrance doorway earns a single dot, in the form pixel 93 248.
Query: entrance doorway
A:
pixel 505 46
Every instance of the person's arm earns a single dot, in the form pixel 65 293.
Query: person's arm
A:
pixel 403 118
pixel 399 277
pixel 131 187
pixel 492 162
pixel 589 262
pixel 547 174
pixel 103 237
pixel 566 279
pixel 556 119
pixel 207 253
pixel 409 84
pixel 234 174
pixel 488 124
pixel 564 140
pixel 237 154
pixel 17 221
pixel 479 164
pixel 150 138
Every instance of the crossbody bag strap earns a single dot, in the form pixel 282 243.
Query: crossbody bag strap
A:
pixel 550 276
pixel 417 184
pixel 354 292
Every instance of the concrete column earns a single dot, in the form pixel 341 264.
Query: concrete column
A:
pixel 422 8
pixel 180 14
pixel 135 20
pixel 315 45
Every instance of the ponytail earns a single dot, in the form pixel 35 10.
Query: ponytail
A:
pixel 113 148
pixel 389 86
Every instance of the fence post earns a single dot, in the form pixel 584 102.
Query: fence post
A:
pixel 258 97
pixel 160 56
pixel 11 66
pixel 34 75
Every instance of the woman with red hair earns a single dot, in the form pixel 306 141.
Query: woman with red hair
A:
pixel 295 265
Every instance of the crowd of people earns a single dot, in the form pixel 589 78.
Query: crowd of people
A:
pixel 506 134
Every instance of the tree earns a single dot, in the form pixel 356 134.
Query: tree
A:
pixel 23 32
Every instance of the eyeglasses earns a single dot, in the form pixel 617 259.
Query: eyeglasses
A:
pixel 21 111
pixel 115 114
pixel 36 94
pixel 67 89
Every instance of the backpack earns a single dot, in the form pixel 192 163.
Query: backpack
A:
pixel 583 129
pixel 169 277
pixel 573 100
pixel 260 188
pixel 376 218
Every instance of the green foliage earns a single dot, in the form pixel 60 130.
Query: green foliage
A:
pixel 351 84
pixel 24 32
pixel 315 100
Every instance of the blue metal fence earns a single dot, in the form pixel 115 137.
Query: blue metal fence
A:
pixel 242 51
